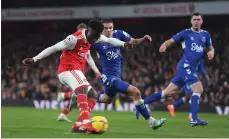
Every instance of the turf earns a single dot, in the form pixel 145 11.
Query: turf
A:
pixel 22 122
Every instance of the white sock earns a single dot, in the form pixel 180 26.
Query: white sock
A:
pixel 86 121
pixel 183 98
pixel 61 114
pixel 139 102
pixel 162 94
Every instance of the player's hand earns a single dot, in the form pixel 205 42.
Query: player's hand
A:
pixel 210 55
pixel 28 61
pixel 128 44
pixel 162 48
pixel 98 75
pixel 147 38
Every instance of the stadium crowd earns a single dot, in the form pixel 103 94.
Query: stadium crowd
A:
pixel 143 66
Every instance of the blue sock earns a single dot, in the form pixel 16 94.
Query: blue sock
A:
pixel 195 105
pixel 179 102
pixel 154 97
pixel 140 106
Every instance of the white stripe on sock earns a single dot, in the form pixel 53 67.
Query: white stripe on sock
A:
pixel 196 94
pixel 139 102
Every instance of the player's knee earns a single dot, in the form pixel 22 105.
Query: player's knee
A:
pixel 136 93
pixel 81 91
pixel 170 89
pixel 199 90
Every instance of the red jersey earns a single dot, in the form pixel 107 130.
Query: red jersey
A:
pixel 75 59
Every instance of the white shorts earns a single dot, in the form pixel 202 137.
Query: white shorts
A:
pixel 73 79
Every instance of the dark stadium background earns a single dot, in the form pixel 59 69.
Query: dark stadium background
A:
pixel 143 66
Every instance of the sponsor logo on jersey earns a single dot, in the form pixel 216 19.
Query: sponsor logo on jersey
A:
pixel 112 54
pixel 197 48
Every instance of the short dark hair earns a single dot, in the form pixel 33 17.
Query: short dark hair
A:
pixel 197 14
pixel 107 20
pixel 96 25
pixel 81 25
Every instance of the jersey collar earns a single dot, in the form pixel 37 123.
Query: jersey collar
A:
pixel 196 31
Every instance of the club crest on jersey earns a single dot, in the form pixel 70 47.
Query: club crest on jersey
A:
pixel 192 38
pixel 203 39
pixel 104 47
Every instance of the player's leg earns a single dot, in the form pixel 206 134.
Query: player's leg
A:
pixel 156 96
pixel 197 89
pixel 135 93
pixel 77 82
pixel 61 97
pixel 92 98
pixel 172 88
pixel 181 100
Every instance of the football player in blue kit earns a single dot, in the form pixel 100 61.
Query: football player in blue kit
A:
pixel 194 41
pixel 111 61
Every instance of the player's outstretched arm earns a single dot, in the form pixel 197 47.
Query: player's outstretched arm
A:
pixel 138 41
pixel 68 44
pixel 114 42
pixel 166 44
pixel 92 64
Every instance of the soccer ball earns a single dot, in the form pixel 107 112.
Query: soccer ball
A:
pixel 100 124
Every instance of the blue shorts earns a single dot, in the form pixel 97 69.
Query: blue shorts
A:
pixel 187 89
pixel 115 85
pixel 185 76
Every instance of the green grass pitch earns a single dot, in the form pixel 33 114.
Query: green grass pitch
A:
pixel 22 122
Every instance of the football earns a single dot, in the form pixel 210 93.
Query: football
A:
pixel 100 123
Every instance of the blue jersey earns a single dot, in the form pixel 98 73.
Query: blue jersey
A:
pixel 194 44
pixel 110 56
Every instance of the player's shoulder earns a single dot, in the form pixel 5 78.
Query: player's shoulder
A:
pixel 184 31
pixel 204 32
pixel 120 32
pixel 187 30
pixel 77 33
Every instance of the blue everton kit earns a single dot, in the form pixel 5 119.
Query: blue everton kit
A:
pixel 111 62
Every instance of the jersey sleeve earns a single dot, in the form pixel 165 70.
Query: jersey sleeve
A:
pixel 208 40
pixel 201 68
pixel 111 41
pixel 124 36
pixel 91 62
pixel 68 44
pixel 179 37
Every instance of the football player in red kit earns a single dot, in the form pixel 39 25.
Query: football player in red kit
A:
pixel 70 72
